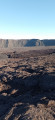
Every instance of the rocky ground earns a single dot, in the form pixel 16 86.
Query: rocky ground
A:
pixel 27 85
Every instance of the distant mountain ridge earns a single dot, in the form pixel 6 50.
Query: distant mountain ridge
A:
pixel 9 43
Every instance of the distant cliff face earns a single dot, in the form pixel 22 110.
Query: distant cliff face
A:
pixel 25 43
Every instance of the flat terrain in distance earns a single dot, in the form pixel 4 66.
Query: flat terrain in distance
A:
pixel 27 83
pixel 20 49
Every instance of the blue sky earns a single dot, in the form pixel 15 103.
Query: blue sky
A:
pixel 27 19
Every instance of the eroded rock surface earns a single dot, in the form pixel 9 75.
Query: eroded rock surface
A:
pixel 27 86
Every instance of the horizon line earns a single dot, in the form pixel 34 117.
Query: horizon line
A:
pixel 26 39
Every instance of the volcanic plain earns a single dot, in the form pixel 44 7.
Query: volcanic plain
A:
pixel 27 84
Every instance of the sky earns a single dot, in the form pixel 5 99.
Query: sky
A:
pixel 27 19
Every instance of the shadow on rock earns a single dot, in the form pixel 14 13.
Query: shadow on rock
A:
pixel 23 92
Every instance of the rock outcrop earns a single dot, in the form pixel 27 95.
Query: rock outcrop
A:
pixel 9 43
